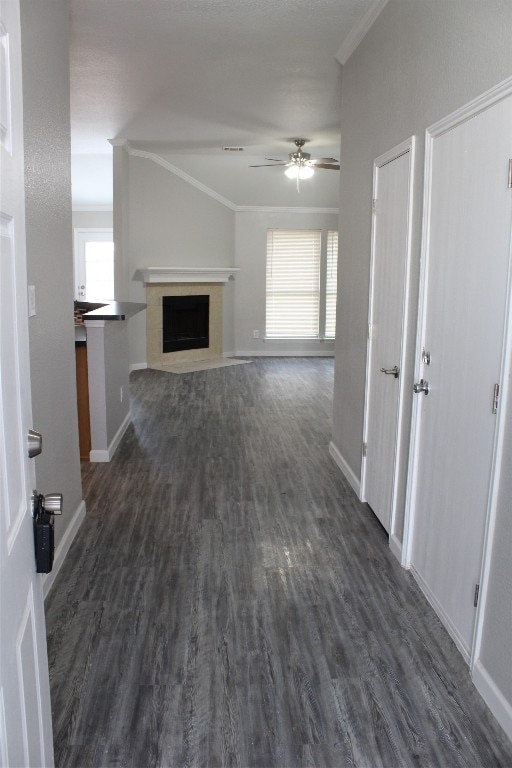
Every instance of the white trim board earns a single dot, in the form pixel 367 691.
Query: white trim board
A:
pixel 207 190
pixel 493 697
pixel 283 209
pixel 102 456
pixel 345 469
pixel 63 548
pixel 284 353
pixel 359 31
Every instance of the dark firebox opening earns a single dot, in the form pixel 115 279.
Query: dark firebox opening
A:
pixel 185 322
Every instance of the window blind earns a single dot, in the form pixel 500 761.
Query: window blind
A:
pixel 293 284
pixel 331 284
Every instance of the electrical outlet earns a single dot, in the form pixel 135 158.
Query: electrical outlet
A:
pixel 121 395
pixel 255 334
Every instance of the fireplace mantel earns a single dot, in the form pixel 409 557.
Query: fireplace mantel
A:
pixel 150 275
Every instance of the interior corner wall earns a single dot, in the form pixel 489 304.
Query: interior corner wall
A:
pixel 45 48
pixel 250 285
pixel 121 219
pixel 418 63
pixel 172 223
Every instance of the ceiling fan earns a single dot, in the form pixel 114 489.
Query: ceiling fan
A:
pixel 300 165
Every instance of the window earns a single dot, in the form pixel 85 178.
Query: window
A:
pixel 94 264
pixel 331 282
pixel 301 284
pixel 293 283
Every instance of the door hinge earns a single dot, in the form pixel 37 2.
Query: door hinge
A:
pixel 510 173
pixel 495 398
pixel 477 592
pixel 374 204
pixel 365 450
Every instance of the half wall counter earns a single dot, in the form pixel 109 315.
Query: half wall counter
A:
pixel 103 330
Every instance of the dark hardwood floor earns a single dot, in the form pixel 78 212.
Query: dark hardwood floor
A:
pixel 229 602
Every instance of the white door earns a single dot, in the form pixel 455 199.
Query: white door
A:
pixel 25 714
pixel 94 264
pixel 386 329
pixel 466 254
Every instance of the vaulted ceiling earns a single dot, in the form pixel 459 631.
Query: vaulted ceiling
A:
pixel 181 79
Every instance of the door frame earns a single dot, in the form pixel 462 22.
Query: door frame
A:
pixel 473 108
pixel 406 147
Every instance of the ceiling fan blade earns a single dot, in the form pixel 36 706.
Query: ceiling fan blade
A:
pixel 275 160
pixel 268 165
pixel 329 166
pixel 329 160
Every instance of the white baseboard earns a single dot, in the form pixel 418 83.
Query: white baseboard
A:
pixel 450 628
pixel 395 546
pixel 102 455
pixel 260 353
pixel 354 481
pixel 63 548
pixel 493 697
pixel 137 366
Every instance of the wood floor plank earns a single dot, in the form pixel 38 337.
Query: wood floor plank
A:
pixel 229 602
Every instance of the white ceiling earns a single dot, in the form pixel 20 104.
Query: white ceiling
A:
pixel 183 78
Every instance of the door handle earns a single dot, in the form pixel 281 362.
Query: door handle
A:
pixel 421 386
pixel 391 371
pixel 34 443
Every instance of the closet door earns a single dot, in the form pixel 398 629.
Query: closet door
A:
pixel 392 192
pixel 465 284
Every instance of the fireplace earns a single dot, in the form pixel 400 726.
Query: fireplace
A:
pixel 185 322
pixel 183 282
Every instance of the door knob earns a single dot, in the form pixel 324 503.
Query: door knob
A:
pixel 421 386
pixel 34 443
pixel 51 503
pixel 391 371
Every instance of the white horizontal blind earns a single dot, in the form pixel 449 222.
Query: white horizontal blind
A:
pixel 293 284
pixel 331 284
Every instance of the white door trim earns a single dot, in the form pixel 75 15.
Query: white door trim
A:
pixel 406 147
pixel 478 105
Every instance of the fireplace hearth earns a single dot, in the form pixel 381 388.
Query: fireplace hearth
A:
pixel 185 322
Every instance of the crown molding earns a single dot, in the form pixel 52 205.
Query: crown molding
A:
pixel 174 170
pixel 291 209
pixel 360 30
pixel 125 144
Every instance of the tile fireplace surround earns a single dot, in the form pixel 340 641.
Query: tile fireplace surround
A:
pixel 180 281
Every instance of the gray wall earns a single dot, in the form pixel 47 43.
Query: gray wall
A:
pixel 170 223
pixel 419 62
pixel 250 285
pixel 49 248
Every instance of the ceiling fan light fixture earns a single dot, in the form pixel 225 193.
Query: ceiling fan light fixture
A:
pixel 292 172
pixel 306 172
pixel 299 171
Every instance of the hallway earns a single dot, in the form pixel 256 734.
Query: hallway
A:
pixel 229 602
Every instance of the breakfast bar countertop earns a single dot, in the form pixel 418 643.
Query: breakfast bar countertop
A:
pixel 115 310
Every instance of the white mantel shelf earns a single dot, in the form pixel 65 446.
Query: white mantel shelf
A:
pixel 184 274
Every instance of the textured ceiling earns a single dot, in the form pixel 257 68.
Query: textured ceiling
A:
pixel 183 78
